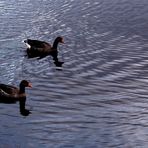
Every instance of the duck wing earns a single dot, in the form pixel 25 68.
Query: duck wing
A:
pixel 8 89
pixel 38 44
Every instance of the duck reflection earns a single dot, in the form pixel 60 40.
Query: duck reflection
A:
pixel 10 94
pixel 42 49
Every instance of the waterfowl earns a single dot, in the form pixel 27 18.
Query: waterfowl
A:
pixel 41 49
pixel 12 94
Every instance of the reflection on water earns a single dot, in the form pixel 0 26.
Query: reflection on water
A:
pixel 22 108
pixel 99 97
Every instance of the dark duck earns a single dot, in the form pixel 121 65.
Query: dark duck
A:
pixel 11 94
pixel 42 49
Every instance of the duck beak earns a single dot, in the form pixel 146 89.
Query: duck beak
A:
pixel 62 41
pixel 30 85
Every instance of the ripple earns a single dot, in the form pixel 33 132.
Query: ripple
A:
pixel 99 96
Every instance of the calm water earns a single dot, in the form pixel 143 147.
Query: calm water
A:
pixel 100 97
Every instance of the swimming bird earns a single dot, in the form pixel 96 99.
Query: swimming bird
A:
pixel 12 94
pixel 41 49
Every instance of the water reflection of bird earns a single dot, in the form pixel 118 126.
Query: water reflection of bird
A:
pixel 11 94
pixel 42 49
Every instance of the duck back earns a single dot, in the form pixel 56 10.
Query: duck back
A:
pixel 37 44
pixel 9 89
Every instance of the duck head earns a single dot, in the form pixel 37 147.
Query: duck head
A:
pixel 25 83
pixel 59 39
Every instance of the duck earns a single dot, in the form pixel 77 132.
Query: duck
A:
pixel 11 94
pixel 41 49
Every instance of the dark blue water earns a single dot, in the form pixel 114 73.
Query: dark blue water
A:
pixel 100 97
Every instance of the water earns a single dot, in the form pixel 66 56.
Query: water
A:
pixel 100 97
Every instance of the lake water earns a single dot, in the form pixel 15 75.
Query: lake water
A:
pixel 99 98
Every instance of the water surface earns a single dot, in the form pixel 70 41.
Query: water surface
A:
pixel 99 98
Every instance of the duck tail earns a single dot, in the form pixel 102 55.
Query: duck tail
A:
pixel 25 41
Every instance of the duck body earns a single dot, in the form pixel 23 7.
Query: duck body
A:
pixel 41 49
pixel 11 94
pixel 37 44
pixel 37 48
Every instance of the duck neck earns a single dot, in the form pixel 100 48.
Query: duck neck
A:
pixel 22 89
pixel 55 44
